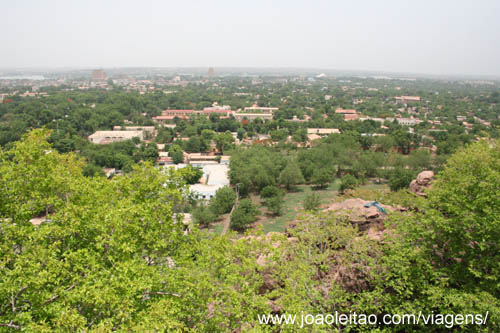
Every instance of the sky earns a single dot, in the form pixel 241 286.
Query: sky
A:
pixel 439 37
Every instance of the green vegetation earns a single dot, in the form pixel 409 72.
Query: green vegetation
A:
pixel 400 178
pixel 205 213
pixel 312 201
pixel 244 215
pixel 274 202
pixel 81 252
pixel 175 152
pixel 347 182
pixel 223 201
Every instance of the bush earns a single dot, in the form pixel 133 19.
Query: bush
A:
pixel 244 215
pixel 223 201
pixel 401 178
pixel 275 203
pixel 270 191
pixel 203 215
pixel 348 182
pixel 92 170
pixel 321 177
pixel 312 201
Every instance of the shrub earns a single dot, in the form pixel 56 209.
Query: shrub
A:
pixel 348 182
pixel 400 178
pixel 275 203
pixel 312 201
pixel 270 191
pixel 244 215
pixel 203 215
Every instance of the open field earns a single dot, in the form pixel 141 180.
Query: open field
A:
pixel 293 205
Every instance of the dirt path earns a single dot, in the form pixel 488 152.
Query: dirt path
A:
pixel 227 219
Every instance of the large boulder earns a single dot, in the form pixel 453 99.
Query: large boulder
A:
pixel 365 218
pixel 423 181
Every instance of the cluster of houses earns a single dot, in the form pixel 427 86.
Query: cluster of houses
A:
pixel 248 113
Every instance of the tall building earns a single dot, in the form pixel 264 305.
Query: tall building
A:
pixel 98 75
pixel 211 73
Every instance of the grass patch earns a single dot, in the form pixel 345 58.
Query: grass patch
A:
pixel 217 229
pixel 293 205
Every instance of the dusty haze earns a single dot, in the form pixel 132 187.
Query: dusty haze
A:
pixel 434 37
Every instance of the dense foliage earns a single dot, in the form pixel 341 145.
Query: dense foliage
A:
pixel 109 255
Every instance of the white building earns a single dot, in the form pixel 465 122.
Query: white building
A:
pixel 149 129
pixel 105 137
pixel 216 176
pixel 255 108
pixel 323 131
pixel 408 121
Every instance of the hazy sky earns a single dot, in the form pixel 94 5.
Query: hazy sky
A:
pixel 419 36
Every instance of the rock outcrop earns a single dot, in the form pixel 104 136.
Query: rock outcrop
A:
pixel 422 183
pixel 366 218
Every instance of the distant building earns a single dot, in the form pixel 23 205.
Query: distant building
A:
pixel 255 108
pixel 349 114
pixel 296 119
pixel 251 116
pixel 215 176
pixel 98 75
pixel 105 137
pixel 211 73
pixel 199 159
pixel 169 115
pixel 217 108
pixel 312 137
pixel 323 131
pixel 148 129
pixel 406 99
pixel 380 120
pixel 408 121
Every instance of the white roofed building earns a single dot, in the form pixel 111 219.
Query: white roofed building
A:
pixel 105 137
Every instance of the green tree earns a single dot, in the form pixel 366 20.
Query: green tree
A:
pixel 445 256
pixel 274 204
pixel 240 133
pixel 191 174
pixel 150 152
pixel 223 141
pixel 403 140
pixel 203 215
pixel 223 201
pixel 321 177
pixel 244 215
pixel 103 245
pixel 176 153
pixel 463 218
pixel 92 170
pixel 400 178
pixel 193 145
pixel 269 191
pixel 348 182
pixel 291 175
